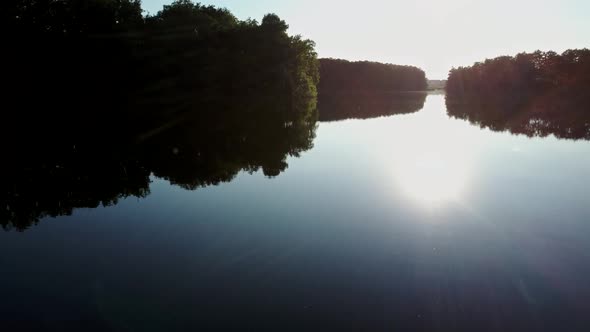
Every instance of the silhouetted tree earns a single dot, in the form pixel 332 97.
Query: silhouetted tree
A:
pixel 365 76
pixel 101 97
pixel 523 79
pixel 535 94
pixel 362 90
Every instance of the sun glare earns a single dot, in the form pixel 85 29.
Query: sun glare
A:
pixel 433 166
pixel 432 178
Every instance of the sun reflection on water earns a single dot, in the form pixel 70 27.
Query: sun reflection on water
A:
pixel 432 178
pixel 431 160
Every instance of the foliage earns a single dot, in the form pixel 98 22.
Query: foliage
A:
pixel 342 75
pixel 102 97
pixel 525 79
pixel 536 94
pixel 72 17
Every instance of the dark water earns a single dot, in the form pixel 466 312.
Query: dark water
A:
pixel 412 221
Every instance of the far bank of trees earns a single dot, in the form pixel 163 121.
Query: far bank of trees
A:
pixel 535 94
pixel 342 75
pixel 541 80
pixel 363 90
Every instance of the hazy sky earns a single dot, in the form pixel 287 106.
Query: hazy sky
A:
pixel 435 35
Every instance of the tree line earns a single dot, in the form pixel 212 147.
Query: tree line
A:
pixel 342 75
pixel 99 98
pixel 363 89
pixel 74 60
pixel 535 94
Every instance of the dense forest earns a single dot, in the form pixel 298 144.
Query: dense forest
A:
pixel 76 60
pixel 535 94
pixel 363 90
pixel 367 105
pixel 362 76
pixel 99 98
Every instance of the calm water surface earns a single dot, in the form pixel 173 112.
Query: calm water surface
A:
pixel 409 221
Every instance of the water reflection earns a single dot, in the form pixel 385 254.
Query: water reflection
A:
pixel 336 106
pixel 544 116
pixel 434 176
pixel 430 166
pixel 205 146
pixel 347 229
pixel 207 143
pixel 430 160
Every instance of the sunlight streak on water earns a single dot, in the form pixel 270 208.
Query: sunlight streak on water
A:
pixel 431 162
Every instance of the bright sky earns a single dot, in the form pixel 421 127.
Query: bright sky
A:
pixel 434 35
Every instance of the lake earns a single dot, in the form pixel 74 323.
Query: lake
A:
pixel 408 221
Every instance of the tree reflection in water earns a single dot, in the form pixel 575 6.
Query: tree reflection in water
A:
pixel 52 176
